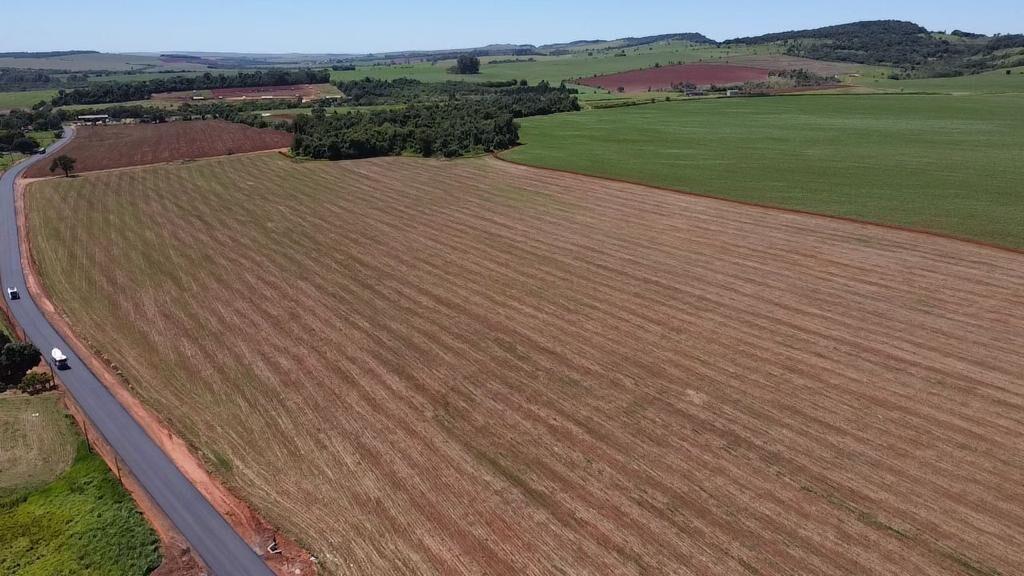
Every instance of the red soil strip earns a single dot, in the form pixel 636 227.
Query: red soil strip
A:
pixel 292 91
pixel 121 146
pixel 664 77
pixel 178 559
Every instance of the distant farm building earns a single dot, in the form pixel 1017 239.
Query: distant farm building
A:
pixel 93 119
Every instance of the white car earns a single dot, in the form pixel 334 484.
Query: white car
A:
pixel 13 293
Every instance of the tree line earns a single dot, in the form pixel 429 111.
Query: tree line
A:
pixel 17 141
pixel 17 359
pixel 479 123
pixel 374 92
pixel 110 92
pixel 893 42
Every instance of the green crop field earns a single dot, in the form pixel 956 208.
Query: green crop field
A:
pixel 996 82
pixel 942 163
pixel 11 100
pixel 554 69
pixel 81 523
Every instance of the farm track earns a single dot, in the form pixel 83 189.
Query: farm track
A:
pixel 468 367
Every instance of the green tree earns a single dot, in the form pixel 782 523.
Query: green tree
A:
pixel 16 359
pixel 467 64
pixel 25 145
pixel 65 163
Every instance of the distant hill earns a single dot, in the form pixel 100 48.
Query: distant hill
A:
pixel 897 43
pixel 45 54
pixel 693 37
pixel 546 49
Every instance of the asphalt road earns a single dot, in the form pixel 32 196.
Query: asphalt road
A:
pixel 212 538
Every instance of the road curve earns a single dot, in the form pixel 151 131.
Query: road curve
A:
pixel 212 538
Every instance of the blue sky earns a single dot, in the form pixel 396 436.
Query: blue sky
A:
pixel 368 26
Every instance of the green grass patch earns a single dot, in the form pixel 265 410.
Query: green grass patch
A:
pixel 83 523
pixel 8 159
pixel 44 137
pixel 941 163
pixel 996 82
pixel 26 99
pixel 37 441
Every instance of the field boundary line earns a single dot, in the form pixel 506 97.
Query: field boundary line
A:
pixel 752 204
pixel 256 531
pixel 168 163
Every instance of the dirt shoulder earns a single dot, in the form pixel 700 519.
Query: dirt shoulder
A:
pixel 291 558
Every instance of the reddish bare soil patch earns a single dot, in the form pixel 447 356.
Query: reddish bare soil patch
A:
pixel 182 96
pixel 293 91
pixel 784 62
pixel 665 77
pixel 120 146
pixel 422 367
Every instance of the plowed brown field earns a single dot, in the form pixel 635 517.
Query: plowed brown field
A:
pixel 119 146
pixel 665 77
pixel 473 367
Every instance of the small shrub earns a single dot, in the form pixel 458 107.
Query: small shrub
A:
pixel 36 382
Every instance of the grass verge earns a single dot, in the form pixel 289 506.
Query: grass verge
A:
pixel 82 523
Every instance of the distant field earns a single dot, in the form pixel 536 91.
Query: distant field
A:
pixel 118 146
pixel 997 82
pixel 12 100
pixel 665 77
pixel 86 62
pixel 555 69
pixel 940 163
pixel 158 75
pixel 786 62
pixel 305 91
pixel 156 103
pixel 472 367
pixel 37 442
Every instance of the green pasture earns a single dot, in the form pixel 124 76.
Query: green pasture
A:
pixel 942 163
pixel 25 99
pixel 996 82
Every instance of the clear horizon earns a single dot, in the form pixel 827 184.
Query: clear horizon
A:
pixel 318 26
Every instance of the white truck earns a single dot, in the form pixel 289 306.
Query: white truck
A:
pixel 59 359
